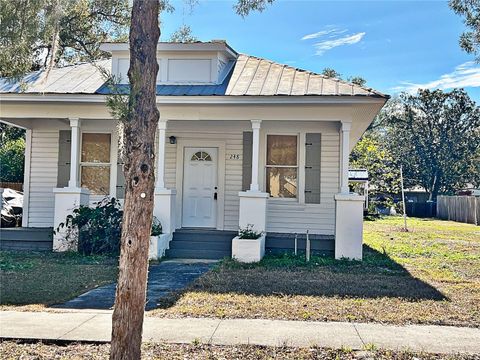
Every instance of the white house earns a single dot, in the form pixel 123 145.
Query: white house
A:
pixel 241 140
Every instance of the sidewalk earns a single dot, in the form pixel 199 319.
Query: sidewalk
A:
pixel 96 326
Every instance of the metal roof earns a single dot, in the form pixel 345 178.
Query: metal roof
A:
pixel 249 76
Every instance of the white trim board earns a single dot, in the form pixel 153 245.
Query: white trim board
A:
pixel 26 177
pixel 220 99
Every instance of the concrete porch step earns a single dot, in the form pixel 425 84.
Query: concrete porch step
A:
pixel 25 238
pixel 202 245
pixel 197 254
pixel 195 235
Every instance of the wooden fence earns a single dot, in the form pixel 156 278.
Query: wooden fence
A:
pixel 464 209
pixel 12 185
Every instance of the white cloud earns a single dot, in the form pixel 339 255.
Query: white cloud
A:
pixel 331 37
pixel 323 46
pixel 464 75
pixel 329 31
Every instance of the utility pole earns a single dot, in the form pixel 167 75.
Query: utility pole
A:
pixel 403 200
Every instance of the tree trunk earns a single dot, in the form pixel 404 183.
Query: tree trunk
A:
pixel 139 134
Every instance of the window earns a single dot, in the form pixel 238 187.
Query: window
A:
pixel 201 156
pixel 95 163
pixel 282 166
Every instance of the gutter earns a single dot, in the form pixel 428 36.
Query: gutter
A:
pixel 203 100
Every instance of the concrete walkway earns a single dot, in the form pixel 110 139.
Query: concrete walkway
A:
pixel 96 326
pixel 164 278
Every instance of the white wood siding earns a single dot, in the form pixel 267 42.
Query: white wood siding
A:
pixel 43 177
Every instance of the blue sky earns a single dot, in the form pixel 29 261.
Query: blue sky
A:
pixel 394 45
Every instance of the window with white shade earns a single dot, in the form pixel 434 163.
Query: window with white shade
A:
pixel 95 163
pixel 282 166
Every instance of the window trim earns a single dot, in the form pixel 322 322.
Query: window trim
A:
pixel 110 164
pixel 298 135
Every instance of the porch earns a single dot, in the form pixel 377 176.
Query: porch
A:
pixel 211 175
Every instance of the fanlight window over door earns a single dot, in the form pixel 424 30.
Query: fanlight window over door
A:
pixel 201 156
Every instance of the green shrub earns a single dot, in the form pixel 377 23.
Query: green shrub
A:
pixel 248 233
pixel 11 160
pixel 156 227
pixel 96 230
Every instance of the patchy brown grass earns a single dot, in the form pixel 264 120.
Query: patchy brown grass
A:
pixel 429 275
pixel 17 350
pixel 34 280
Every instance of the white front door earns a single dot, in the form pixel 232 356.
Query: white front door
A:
pixel 200 187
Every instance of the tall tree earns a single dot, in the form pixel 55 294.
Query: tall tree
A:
pixel 36 34
pixel 331 73
pixel 140 123
pixel 357 80
pixel 139 132
pixel 183 34
pixel 373 154
pixel 435 135
pixel 470 10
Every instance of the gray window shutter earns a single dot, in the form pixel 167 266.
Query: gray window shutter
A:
pixel 64 150
pixel 247 160
pixel 120 190
pixel 312 168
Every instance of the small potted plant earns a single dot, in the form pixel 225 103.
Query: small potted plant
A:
pixel 157 241
pixel 249 245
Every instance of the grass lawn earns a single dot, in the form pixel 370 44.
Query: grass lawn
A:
pixel 39 279
pixel 429 275
pixel 14 350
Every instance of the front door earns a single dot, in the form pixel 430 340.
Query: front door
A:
pixel 200 187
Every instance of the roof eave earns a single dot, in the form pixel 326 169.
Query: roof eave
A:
pixel 199 99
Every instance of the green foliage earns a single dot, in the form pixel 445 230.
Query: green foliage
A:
pixel 470 10
pixel 183 34
pixel 248 233
pixel 96 230
pixel 37 33
pixel 373 154
pixel 12 160
pixel 244 7
pixel 156 227
pixel 357 80
pixel 435 135
pixel 8 133
pixel 331 73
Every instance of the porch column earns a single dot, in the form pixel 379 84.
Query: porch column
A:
pixel 164 203
pixel 255 154
pixel 162 130
pixel 253 203
pixel 74 153
pixel 348 208
pixel 345 140
pixel 69 198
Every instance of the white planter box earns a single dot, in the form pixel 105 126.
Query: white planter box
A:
pixel 158 245
pixel 248 250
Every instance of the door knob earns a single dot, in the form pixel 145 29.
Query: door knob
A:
pixel 215 196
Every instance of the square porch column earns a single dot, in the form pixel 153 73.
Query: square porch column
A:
pixel 253 203
pixel 164 203
pixel 69 198
pixel 348 208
